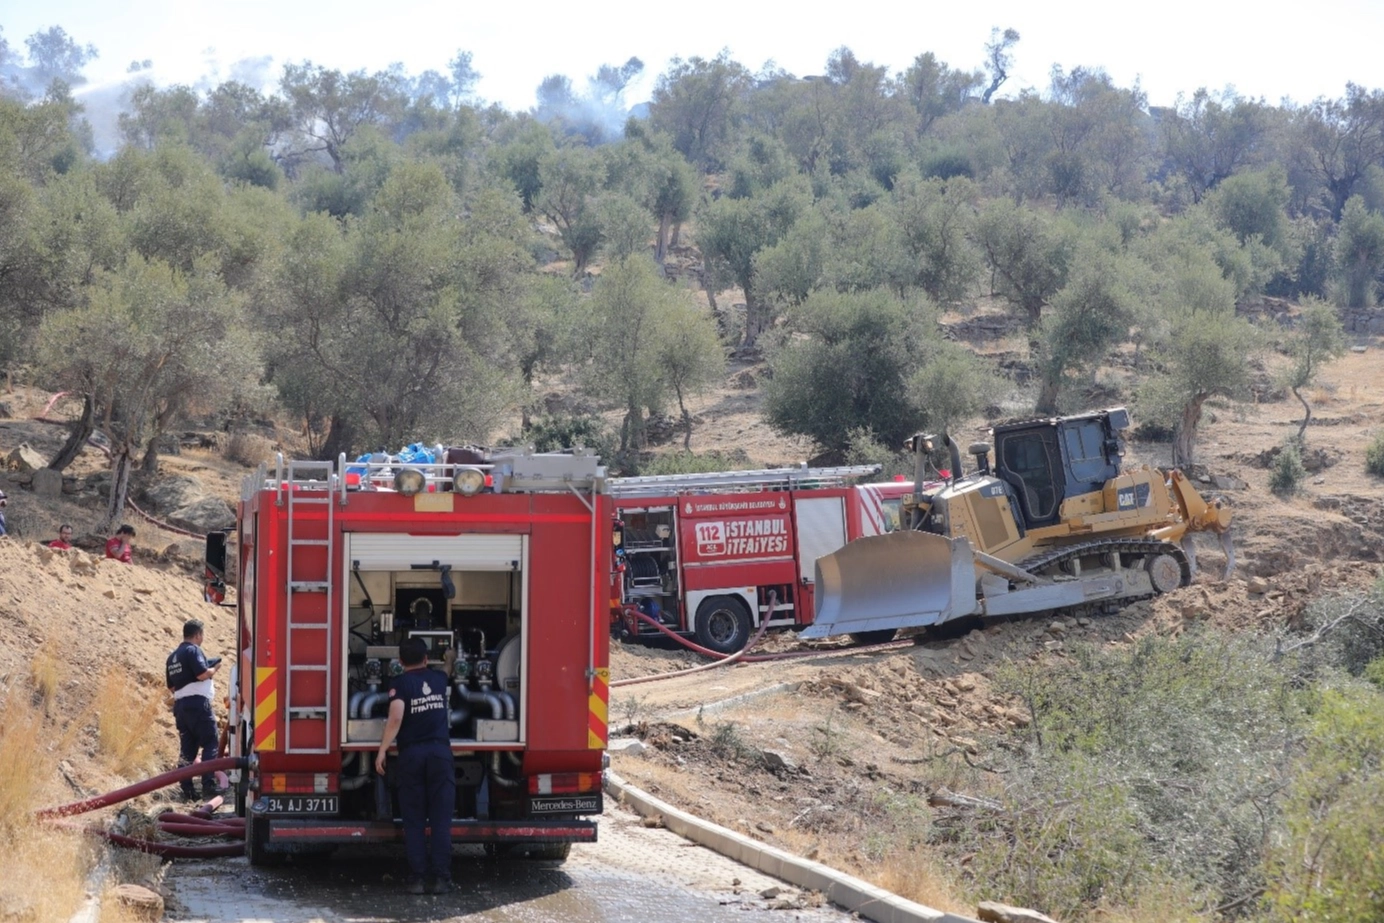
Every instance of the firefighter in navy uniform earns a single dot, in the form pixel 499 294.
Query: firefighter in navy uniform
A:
pixel 189 677
pixel 426 774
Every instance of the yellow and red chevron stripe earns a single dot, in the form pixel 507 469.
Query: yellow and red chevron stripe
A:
pixel 598 708
pixel 266 709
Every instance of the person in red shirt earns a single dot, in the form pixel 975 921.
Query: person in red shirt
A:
pixel 64 539
pixel 121 545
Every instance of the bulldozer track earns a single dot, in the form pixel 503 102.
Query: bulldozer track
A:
pixel 1143 548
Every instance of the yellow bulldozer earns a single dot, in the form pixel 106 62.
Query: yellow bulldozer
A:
pixel 1055 523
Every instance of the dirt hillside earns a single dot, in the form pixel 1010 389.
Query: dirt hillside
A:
pixel 69 617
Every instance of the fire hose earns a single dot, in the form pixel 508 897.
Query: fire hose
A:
pixel 743 655
pixel 200 823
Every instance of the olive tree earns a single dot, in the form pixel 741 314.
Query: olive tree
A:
pixel 1317 340
pixel 1026 253
pixel 1359 255
pixel 1091 314
pixel 866 360
pixel 644 338
pixel 690 354
pixel 148 342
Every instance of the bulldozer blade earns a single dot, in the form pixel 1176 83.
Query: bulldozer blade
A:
pixel 897 580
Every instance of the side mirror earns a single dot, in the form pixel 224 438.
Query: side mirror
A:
pixel 216 554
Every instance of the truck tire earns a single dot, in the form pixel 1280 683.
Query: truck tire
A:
pixel 723 624
pixel 881 636
pixel 256 833
pixel 550 852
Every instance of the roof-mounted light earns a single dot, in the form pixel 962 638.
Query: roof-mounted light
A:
pixel 468 481
pixel 410 481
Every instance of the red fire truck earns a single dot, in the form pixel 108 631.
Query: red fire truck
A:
pixel 504 569
pixel 702 552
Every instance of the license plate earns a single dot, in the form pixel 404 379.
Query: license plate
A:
pixel 565 804
pixel 301 804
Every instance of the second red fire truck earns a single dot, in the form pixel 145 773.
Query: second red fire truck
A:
pixel 704 553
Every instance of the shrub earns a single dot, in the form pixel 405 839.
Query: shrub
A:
pixel 1152 769
pixel 948 164
pixel 248 449
pixel 1287 474
pixel 696 462
pixel 1374 455
pixel 556 432
pixel 1329 866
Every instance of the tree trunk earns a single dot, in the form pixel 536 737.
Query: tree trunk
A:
pixel 661 250
pixel 632 436
pixel 677 234
pixel 150 463
pixel 339 440
pixel 1047 395
pixel 756 321
pixel 1306 417
pixel 77 437
pixel 686 420
pixel 121 463
pixel 1186 435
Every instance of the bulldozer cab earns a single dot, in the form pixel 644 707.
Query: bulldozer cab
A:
pixel 1047 461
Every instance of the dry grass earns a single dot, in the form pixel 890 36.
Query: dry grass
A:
pixel 45 670
pixel 22 766
pixel 124 718
pixel 921 876
pixel 45 869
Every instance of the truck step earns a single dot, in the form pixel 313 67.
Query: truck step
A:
pixel 308 586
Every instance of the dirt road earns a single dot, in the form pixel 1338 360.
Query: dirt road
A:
pixel 633 873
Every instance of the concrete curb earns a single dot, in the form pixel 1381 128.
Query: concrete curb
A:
pixel 841 889
pixel 90 911
pixel 711 708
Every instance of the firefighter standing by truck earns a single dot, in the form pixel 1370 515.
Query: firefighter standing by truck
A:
pixel 425 771
pixel 189 677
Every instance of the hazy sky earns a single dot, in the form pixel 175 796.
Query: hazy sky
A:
pixel 1170 47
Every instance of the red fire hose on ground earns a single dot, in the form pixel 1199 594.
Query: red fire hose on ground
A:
pixel 200 823
pixel 744 655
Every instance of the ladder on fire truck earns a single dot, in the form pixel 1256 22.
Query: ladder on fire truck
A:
pixel 733 481
pixel 308 609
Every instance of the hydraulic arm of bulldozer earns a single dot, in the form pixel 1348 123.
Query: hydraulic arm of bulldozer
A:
pixel 1198 515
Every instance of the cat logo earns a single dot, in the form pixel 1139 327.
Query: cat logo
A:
pixel 1125 498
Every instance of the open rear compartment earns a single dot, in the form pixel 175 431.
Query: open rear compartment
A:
pixel 466 597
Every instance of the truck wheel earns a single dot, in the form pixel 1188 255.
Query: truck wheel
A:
pixel 723 624
pixel 255 836
pixel 550 852
pixel 881 636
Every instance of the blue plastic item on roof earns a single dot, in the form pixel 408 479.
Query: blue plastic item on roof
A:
pixel 416 454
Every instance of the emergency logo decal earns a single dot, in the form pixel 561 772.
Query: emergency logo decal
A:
pixel 742 537
pixel 711 539
pixel 598 707
pixel 688 508
pixel 266 708
pixel 783 504
pixel 427 690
